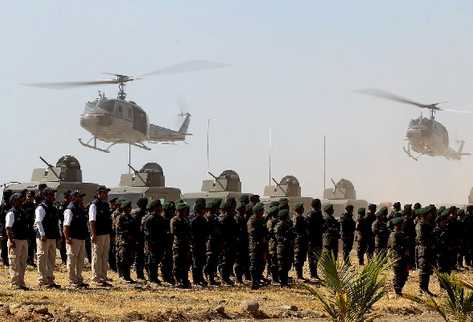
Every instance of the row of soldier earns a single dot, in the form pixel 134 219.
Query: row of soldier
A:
pixel 223 240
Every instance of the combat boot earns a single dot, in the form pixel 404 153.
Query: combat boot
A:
pixel 299 273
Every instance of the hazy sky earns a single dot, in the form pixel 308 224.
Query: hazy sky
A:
pixel 295 65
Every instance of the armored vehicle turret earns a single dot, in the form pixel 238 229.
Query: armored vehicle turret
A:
pixel 289 188
pixel 147 182
pixel 227 184
pixel 66 175
pixel 342 195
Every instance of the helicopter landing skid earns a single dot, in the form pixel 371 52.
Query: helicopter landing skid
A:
pixel 142 146
pixel 408 152
pixel 94 146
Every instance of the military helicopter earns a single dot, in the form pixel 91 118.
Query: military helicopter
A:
pixel 425 136
pixel 117 120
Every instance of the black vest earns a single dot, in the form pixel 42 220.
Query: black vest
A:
pixel 103 221
pixel 20 226
pixel 50 222
pixel 78 228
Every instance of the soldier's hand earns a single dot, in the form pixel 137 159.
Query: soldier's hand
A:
pixel 93 238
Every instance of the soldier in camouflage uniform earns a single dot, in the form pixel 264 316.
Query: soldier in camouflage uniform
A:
pixel 200 235
pixel 363 232
pixel 166 265
pixel 398 250
pixel 215 240
pixel 112 256
pixel 272 259
pixel 380 231
pixel 125 240
pixel 370 218
pixel 396 212
pixel 138 214
pixel 242 256
pixel 285 241
pixel 315 224
pixel 455 234
pixel 331 232
pixel 347 229
pixel 441 240
pixel 229 229
pixel 424 247
pixel 256 241
pixel 409 229
pixel 461 238
pixel 181 247
pixel 154 230
pixel 300 240
pixel 468 226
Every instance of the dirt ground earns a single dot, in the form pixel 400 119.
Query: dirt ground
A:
pixel 141 303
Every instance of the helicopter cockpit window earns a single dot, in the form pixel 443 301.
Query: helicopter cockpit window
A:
pixel 107 106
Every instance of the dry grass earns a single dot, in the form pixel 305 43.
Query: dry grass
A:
pixel 125 300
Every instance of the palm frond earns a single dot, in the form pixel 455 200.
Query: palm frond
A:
pixel 429 302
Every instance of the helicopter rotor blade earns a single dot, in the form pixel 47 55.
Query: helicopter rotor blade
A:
pixel 63 85
pixel 456 111
pixel 396 98
pixel 189 66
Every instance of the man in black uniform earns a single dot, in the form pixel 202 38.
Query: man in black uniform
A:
pixel 256 238
pixel 300 240
pixel 181 248
pixel 215 240
pixel 331 232
pixel 315 223
pixel 75 232
pixel 154 230
pixel 166 266
pixel 29 207
pixel 16 225
pixel 100 221
pixel 229 228
pixel 48 232
pixel 409 229
pixel 4 207
pixel 200 236
pixel 347 228
pixel 61 207
pixel 468 228
pixel 138 214
pixel 441 239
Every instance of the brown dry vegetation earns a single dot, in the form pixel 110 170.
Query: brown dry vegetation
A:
pixel 139 302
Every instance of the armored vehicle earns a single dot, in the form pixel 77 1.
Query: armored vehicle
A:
pixel 226 185
pixel 66 175
pixel 148 182
pixel 342 195
pixel 289 188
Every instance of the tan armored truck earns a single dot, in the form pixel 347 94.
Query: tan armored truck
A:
pixel 289 188
pixel 226 185
pixel 342 195
pixel 66 175
pixel 148 182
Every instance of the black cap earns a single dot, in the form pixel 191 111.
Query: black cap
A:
pixel 14 197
